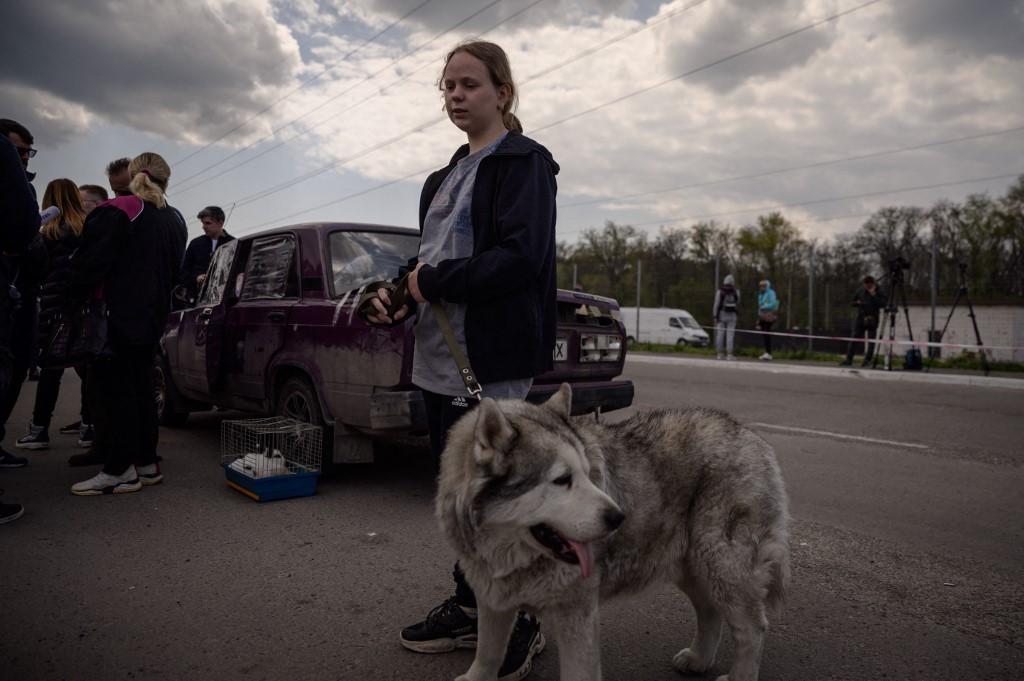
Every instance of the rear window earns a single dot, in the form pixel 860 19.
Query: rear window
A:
pixel 358 258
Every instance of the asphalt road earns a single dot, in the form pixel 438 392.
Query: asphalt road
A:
pixel 907 541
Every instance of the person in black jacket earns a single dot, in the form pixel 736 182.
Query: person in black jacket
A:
pixel 23 263
pixel 870 302
pixel 200 251
pixel 62 236
pixel 487 257
pixel 131 248
pixel 20 215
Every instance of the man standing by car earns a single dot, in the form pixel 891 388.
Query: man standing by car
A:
pixel 200 250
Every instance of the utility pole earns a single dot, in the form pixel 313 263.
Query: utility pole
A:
pixel 932 335
pixel 574 271
pixel 638 265
pixel 810 299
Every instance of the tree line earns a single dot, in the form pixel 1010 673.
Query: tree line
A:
pixel 678 267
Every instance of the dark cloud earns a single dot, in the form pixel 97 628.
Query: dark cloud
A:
pixel 993 27
pixel 188 71
pixel 717 30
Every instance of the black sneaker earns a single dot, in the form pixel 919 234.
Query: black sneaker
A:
pixel 86 436
pixel 8 460
pixel 446 628
pixel 71 429
pixel 526 641
pixel 9 512
pixel 37 438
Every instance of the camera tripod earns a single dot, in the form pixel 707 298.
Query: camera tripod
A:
pixel 896 293
pixel 962 291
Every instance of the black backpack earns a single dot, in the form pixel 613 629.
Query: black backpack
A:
pixel 729 300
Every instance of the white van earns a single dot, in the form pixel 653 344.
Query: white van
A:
pixel 663 325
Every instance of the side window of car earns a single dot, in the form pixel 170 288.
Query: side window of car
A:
pixel 217 278
pixel 674 323
pixel 270 272
pixel 359 258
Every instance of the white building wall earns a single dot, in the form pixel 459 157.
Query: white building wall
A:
pixel 999 325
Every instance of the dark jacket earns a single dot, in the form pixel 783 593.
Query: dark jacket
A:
pixel 197 260
pixel 54 291
pixel 132 249
pixel 508 284
pixel 869 306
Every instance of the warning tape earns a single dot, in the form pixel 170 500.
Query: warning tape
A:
pixel 920 343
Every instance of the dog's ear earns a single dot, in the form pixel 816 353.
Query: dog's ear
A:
pixel 561 401
pixel 494 437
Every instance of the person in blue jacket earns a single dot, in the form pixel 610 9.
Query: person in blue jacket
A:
pixel 487 250
pixel 767 313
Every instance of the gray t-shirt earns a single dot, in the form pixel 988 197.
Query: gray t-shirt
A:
pixel 448 235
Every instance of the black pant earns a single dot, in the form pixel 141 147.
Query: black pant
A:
pixel 766 327
pixel 47 391
pixel 21 341
pixel 861 326
pixel 124 407
pixel 442 412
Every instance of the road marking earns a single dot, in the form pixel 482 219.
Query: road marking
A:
pixel 840 436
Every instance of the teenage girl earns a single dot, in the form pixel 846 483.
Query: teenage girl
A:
pixel 487 251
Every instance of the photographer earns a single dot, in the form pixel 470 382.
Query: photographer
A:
pixel 870 303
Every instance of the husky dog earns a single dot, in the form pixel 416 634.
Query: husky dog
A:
pixel 550 514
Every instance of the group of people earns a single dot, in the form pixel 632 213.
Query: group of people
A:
pixel 726 314
pixel 869 302
pixel 81 246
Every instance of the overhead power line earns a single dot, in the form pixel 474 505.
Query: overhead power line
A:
pixel 329 101
pixel 790 169
pixel 546 71
pixel 302 178
pixel 865 195
pixel 304 83
pixel 735 55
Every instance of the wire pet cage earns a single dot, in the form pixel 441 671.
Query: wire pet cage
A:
pixel 271 458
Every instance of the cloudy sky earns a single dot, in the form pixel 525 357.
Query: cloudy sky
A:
pixel 660 114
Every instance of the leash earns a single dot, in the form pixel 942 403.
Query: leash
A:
pixel 461 362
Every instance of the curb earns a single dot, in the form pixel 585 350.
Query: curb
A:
pixel 841 372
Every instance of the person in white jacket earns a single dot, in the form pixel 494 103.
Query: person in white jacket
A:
pixel 726 312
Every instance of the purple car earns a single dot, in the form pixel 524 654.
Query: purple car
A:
pixel 274 330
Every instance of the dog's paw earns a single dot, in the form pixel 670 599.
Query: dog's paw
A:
pixel 688 662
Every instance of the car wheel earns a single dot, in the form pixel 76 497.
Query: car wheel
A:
pixel 296 399
pixel 681 343
pixel 630 340
pixel 166 413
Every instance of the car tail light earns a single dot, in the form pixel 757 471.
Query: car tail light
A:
pixel 600 347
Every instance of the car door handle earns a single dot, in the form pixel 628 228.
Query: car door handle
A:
pixel 275 316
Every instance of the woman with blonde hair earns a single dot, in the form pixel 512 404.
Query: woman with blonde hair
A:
pixel 132 246
pixel 62 236
pixel 487 264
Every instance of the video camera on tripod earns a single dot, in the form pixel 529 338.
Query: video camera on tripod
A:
pixel 897 295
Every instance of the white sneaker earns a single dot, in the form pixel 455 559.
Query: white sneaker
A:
pixel 721 356
pixel 150 475
pixel 767 357
pixel 731 358
pixel 104 483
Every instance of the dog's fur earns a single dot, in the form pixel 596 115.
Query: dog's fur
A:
pixel 691 497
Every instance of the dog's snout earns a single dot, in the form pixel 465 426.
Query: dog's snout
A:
pixel 613 517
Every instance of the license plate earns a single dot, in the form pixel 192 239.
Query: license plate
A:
pixel 561 349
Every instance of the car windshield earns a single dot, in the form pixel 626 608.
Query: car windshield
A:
pixel 690 322
pixel 358 258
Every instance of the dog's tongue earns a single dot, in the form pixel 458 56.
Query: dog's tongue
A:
pixel 585 556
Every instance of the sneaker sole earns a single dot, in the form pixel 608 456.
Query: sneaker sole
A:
pixel 527 667
pixel 13 516
pixel 440 645
pixel 150 481
pixel 85 444
pixel 123 488
pixel 32 445
pixel 14 465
